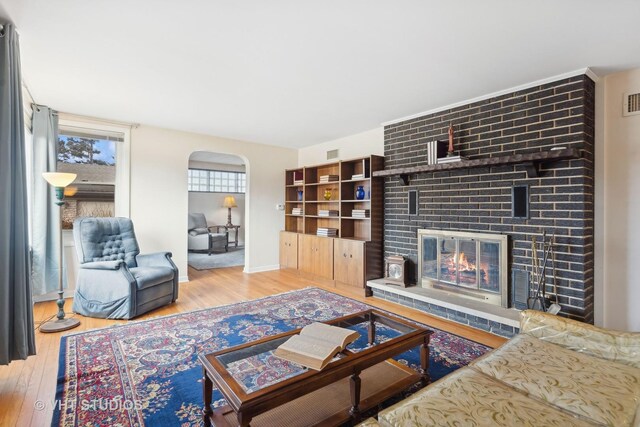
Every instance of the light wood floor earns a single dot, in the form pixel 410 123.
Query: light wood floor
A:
pixel 24 383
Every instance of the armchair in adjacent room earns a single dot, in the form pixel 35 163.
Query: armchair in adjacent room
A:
pixel 114 280
pixel 201 238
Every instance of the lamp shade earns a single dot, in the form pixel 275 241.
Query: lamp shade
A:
pixel 59 179
pixel 229 202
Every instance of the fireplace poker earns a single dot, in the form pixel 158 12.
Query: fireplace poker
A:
pixel 542 276
pixel 555 307
pixel 539 273
pixel 535 272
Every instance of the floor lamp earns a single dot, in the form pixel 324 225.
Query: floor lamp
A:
pixel 59 180
pixel 229 202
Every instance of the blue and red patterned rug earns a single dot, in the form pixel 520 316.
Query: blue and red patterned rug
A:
pixel 147 372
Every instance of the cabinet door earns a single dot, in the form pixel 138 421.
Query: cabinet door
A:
pixel 306 251
pixel 288 250
pixel 315 255
pixel 283 249
pixel 341 261
pixel 323 257
pixel 349 262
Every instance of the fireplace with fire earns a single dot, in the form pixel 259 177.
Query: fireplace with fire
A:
pixel 465 264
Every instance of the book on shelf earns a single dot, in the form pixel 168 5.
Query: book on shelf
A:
pixel 316 345
pixel 360 213
pixel 296 211
pixel 298 178
pixel 451 159
pixel 327 232
pixel 328 178
pixel 357 176
pixel 298 182
pixel 328 212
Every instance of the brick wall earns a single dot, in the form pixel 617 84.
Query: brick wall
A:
pixel 558 114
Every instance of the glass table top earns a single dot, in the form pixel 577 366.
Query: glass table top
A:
pixel 255 367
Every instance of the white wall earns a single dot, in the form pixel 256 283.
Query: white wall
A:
pixel 159 197
pixel 210 204
pixel 620 181
pixel 351 147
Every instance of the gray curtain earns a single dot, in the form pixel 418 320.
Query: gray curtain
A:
pixel 45 214
pixel 16 309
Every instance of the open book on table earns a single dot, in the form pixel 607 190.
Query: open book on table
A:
pixel 316 345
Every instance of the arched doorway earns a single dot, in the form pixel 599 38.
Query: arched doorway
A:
pixel 216 188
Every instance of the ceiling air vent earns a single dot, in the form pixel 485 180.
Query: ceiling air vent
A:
pixel 631 104
pixel 332 154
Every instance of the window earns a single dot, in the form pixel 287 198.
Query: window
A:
pixel 119 134
pixel 91 154
pixel 214 181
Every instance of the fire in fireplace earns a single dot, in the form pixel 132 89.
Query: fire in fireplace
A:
pixel 467 264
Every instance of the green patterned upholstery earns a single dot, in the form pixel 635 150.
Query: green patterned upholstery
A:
pixel 557 372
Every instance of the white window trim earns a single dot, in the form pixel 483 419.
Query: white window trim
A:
pixel 122 198
pixel 210 178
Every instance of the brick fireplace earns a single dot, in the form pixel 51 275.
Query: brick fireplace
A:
pixel 556 115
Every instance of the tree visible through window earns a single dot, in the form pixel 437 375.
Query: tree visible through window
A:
pixel 86 151
pixel 213 181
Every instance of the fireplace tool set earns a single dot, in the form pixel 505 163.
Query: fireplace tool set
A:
pixel 537 286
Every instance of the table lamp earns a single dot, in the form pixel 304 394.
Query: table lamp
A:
pixel 59 180
pixel 229 202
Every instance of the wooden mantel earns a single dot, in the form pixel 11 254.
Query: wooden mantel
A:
pixel 531 161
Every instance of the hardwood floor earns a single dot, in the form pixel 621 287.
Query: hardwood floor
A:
pixel 23 384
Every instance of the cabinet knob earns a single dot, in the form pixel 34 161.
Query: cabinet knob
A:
pixel 344 255
pixel 350 256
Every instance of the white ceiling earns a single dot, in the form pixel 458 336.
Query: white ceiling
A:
pixel 296 73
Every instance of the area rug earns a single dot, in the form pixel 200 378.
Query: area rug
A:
pixel 147 372
pixel 204 261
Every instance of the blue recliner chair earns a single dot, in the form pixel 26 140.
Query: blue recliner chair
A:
pixel 115 281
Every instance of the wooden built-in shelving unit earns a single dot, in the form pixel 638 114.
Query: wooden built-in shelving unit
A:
pixel 343 198
pixel 354 255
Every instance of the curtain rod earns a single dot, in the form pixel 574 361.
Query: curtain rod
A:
pixel 33 101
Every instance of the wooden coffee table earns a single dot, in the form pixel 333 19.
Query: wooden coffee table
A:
pixel 355 381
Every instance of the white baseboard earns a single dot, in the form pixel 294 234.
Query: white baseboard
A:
pixel 183 279
pixel 261 269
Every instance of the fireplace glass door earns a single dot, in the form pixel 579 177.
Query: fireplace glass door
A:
pixel 470 264
pixel 490 266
